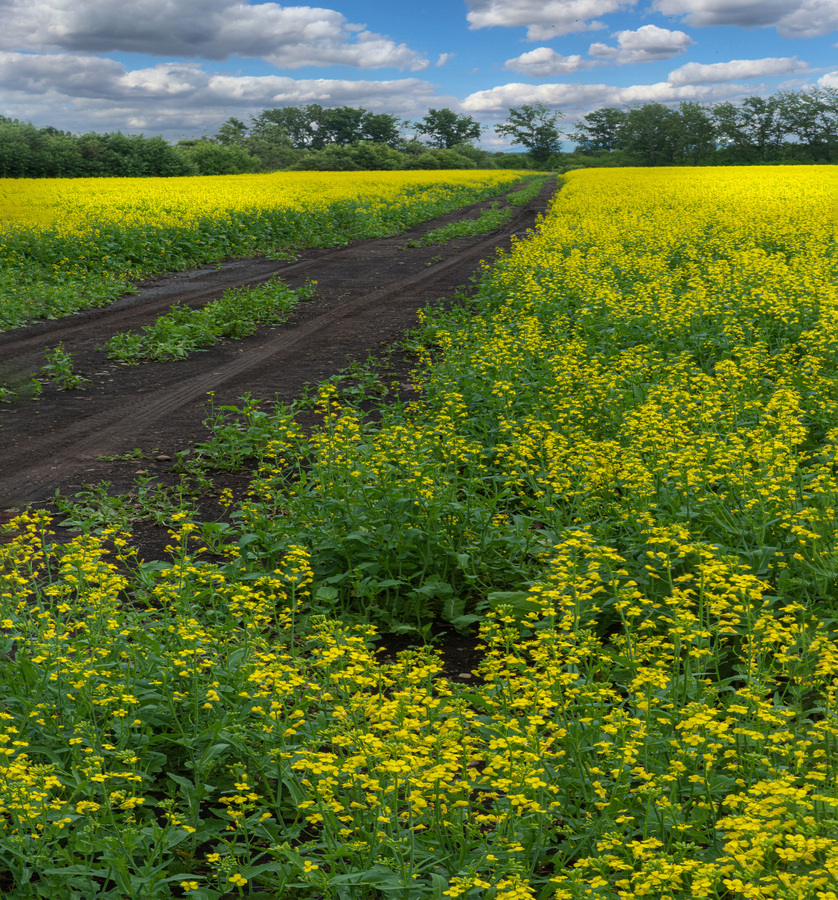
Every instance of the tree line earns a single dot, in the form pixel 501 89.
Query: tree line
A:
pixel 789 127
pixel 294 137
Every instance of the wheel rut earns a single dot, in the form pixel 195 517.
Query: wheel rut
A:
pixel 367 294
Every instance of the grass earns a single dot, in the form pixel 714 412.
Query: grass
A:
pixel 489 219
pixel 238 313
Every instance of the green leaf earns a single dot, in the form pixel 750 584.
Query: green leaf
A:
pixel 518 602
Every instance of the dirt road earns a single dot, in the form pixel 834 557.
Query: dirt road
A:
pixel 368 294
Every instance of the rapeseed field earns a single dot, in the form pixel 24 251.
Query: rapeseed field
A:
pixel 621 467
pixel 67 244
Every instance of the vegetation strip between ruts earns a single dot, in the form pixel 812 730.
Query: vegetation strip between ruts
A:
pixel 621 461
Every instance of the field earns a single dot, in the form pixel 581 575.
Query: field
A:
pixel 69 244
pixel 617 465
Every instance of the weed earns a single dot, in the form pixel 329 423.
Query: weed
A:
pixel 530 190
pixel 59 369
pixel 94 508
pixel 488 220
pixel 136 453
pixel 237 314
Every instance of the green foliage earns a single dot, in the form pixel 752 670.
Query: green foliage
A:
pixel 488 220
pixel 440 159
pixel 238 313
pixel 29 152
pixel 367 156
pixel 530 190
pixel 754 131
pixel 445 129
pixel 638 512
pixel 58 368
pixel 513 161
pixel 211 158
pixel 534 126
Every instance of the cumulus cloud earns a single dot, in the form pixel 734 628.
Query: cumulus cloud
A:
pixel 810 19
pixel 717 73
pixel 80 93
pixel 649 43
pixel 575 99
pixel 830 80
pixel 286 36
pixel 791 18
pixel 543 62
pixel 544 19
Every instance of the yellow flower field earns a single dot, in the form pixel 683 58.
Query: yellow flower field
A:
pixel 621 467
pixel 78 205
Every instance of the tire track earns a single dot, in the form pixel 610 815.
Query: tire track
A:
pixel 32 473
pixel 21 348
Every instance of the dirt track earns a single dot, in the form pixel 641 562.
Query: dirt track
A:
pixel 367 294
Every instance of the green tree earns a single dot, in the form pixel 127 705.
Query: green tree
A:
pixel 534 126
pixel 210 158
pixel 445 129
pixel 695 133
pixel 159 158
pixel 17 154
pixel 440 158
pixel 600 131
pixel 298 126
pixel 382 128
pixel 232 132
pixel 751 132
pixel 651 133
pixel 342 125
pixel 811 115
pixel 481 158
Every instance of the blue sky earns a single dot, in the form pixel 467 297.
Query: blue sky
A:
pixel 181 67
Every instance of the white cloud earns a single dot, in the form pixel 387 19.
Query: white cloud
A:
pixel 717 73
pixel 543 61
pixel 810 19
pixel 544 19
pixel 575 99
pixel 561 96
pixel 80 93
pixel 647 44
pixel 286 36
pixel 830 80
pixel 444 58
pixel 792 18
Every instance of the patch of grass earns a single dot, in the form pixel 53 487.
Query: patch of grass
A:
pixel 488 220
pixel 59 369
pixel 238 313
pixel 530 190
